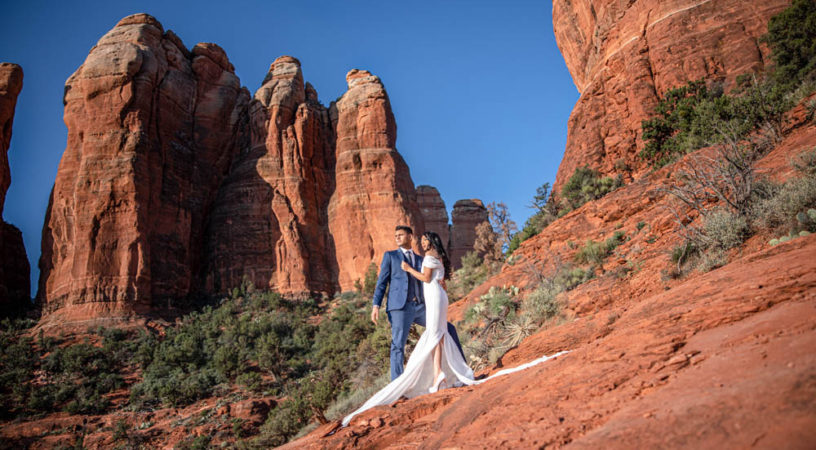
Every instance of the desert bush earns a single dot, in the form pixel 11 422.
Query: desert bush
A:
pixel 370 281
pixel 540 304
pixel 791 36
pixel 594 253
pixel 488 247
pixel 586 185
pixel 726 228
pixel 546 211
pixel 786 207
pixel 473 272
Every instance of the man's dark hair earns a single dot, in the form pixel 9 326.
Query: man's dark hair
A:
pixel 404 228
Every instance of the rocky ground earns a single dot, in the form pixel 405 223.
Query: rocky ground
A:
pixel 706 360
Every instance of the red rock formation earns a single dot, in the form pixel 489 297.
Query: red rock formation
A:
pixel 623 56
pixel 466 216
pixel 434 213
pixel 269 223
pixel 152 128
pixel 11 82
pixel 373 191
pixel 15 285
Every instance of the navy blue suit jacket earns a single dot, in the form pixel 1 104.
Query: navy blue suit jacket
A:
pixel 391 273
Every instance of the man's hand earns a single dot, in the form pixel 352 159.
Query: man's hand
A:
pixel 375 314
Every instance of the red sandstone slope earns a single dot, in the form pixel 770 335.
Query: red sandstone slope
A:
pixel 623 56
pixel 14 269
pixel 718 358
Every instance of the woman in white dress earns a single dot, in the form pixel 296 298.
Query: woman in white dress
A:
pixel 435 358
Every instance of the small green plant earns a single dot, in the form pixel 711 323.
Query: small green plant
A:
pixel 594 253
pixel 586 185
pixel 725 228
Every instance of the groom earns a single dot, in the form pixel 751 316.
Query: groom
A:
pixel 406 304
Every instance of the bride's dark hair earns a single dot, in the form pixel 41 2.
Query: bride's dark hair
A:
pixel 436 243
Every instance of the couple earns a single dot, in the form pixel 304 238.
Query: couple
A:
pixel 416 295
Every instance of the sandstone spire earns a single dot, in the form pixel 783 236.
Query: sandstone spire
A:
pixel 269 223
pixel 15 285
pixel 152 128
pixel 374 191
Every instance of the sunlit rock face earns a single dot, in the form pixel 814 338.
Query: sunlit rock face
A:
pixel 623 56
pixel 152 131
pixel 373 187
pixel 15 283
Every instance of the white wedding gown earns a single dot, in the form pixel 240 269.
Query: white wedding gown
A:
pixel 418 375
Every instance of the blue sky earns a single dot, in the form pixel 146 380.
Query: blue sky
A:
pixel 479 89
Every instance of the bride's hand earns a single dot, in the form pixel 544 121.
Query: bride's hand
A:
pixel 405 266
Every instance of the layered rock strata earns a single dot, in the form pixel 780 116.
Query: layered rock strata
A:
pixel 152 130
pixel 466 216
pixel 269 223
pixel 434 212
pixel 373 191
pixel 15 284
pixel 623 56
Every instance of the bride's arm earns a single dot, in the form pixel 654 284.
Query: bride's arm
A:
pixel 424 276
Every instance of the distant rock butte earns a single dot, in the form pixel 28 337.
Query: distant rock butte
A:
pixel 466 216
pixel 175 182
pixel 434 212
pixel 623 56
pixel 15 284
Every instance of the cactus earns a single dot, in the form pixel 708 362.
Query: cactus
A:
pixel 812 214
pixel 804 233
pixel 774 241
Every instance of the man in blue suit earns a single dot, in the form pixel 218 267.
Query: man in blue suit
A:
pixel 406 304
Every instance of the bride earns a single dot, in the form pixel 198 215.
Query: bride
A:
pixel 435 359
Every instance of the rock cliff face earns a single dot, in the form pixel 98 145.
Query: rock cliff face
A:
pixel 152 129
pixel 11 83
pixel 466 216
pixel 15 285
pixel 373 187
pixel 623 56
pixel 434 212
pixel 269 223
pixel 175 182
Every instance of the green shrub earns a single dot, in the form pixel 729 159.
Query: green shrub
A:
pixel 783 208
pixel 727 229
pixel 370 281
pixel 540 304
pixel 791 37
pixel 595 253
pixel 586 185
pixel 547 210
pixel 473 272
